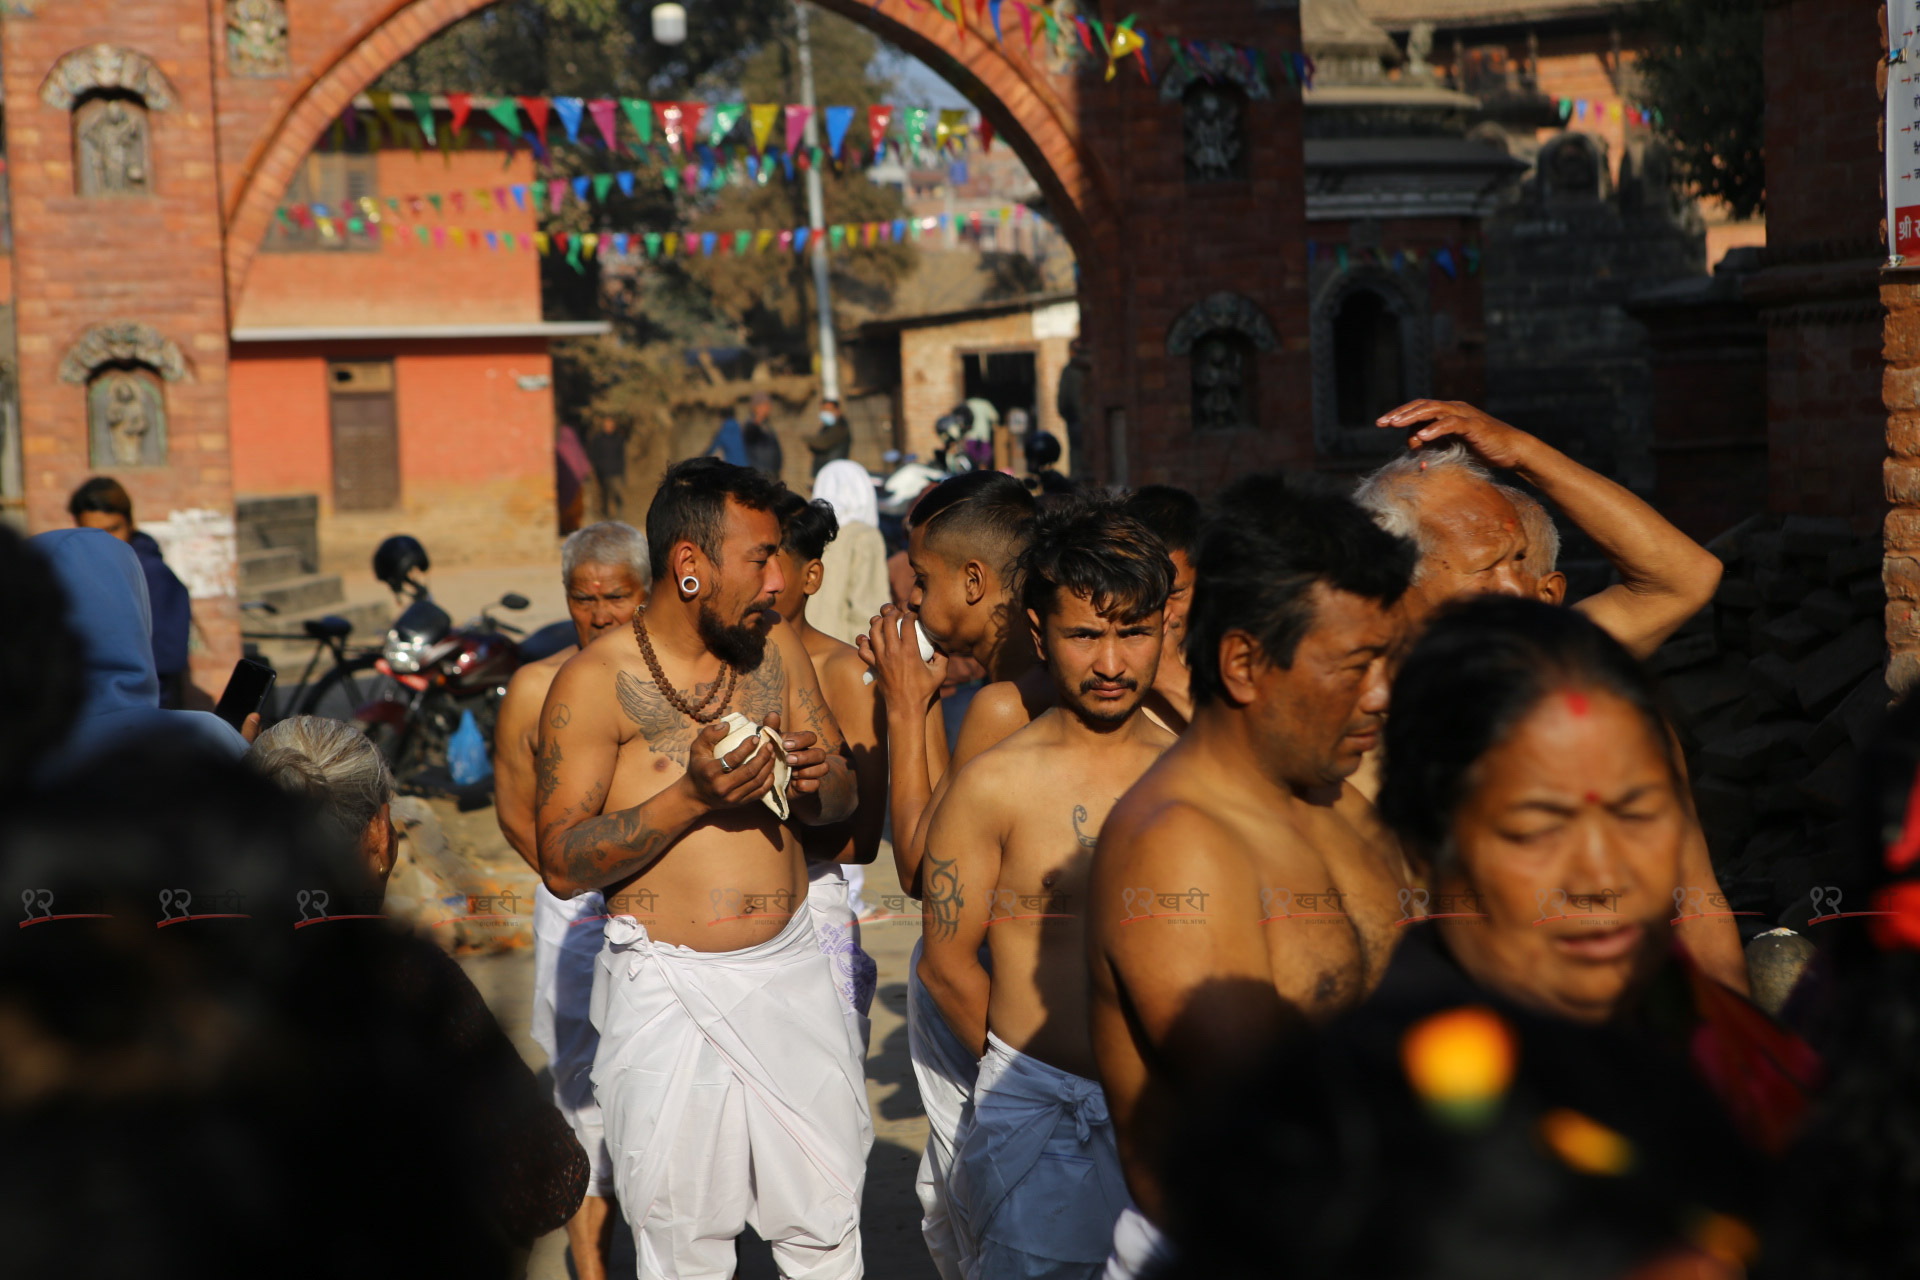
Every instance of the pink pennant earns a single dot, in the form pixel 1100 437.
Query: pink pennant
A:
pixel 796 124
pixel 602 110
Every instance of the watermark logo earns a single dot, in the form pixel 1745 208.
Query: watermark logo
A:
pixel 1285 904
pixel 1826 906
pixel 317 906
pixel 1577 906
pixel 176 907
pixel 1419 904
pixel 1145 904
pixel 38 907
pixel 1690 903
pixel 1004 906
pixel 731 904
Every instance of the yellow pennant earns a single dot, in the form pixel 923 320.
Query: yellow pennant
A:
pixel 762 116
pixel 589 242
pixel 1125 41
pixel 952 127
pixel 542 243
pixel 671 243
pixel 458 237
pixel 761 241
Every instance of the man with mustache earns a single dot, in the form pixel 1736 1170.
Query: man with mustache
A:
pixel 726 1070
pixel 1243 882
pixel 604 567
pixel 1037 1176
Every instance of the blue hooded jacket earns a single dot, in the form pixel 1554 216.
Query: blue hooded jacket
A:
pixel 107 609
pixel 172 608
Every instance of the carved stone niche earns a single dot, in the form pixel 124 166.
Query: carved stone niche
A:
pixel 124 367
pixel 257 37
pixel 1572 169
pixel 1372 350
pixel 1223 337
pixel 110 91
pixel 1213 89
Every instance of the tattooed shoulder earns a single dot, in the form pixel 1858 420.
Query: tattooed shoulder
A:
pixel 667 732
pixel 763 690
pixel 941 905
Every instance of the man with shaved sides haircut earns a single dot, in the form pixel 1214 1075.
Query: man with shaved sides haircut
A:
pixel 726 1070
pixel 1480 537
pixel 965 537
pixel 1242 882
pixel 1037 1176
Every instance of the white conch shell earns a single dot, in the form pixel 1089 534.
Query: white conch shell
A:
pixel 739 729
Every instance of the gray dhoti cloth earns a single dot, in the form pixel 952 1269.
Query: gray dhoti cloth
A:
pixel 732 1097
pixel 1037 1177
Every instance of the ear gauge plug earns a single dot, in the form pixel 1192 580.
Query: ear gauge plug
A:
pixel 690 584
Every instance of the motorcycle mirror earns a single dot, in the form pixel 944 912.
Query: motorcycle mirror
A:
pixel 514 600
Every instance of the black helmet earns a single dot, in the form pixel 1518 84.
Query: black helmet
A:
pixel 1043 450
pixel 397 558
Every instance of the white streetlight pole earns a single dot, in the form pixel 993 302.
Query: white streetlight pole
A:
pixel 817 219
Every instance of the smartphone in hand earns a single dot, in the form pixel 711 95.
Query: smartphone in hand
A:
pixel 246 692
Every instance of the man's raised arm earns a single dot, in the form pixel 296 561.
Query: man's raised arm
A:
pixel 1665 576
pixel 582 848
pixel 909 686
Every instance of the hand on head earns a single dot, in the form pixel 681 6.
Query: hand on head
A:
pixel 1435 421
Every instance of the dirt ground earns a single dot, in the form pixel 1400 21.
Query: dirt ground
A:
pixel 890 1219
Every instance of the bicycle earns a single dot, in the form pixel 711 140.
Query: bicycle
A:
pixel 348 684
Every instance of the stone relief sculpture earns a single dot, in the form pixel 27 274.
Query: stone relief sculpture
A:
pixel 110 148
pixel 257 37
pixel 105 67
pixel 1214 129
pixel 126 419
pixel 1222 335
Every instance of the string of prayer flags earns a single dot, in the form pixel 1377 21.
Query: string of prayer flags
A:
pixel 725 116
pixel 1125 41
pixel 1604 109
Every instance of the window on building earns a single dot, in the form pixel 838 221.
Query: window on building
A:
pixel 1369 366
pixel 330 185
pixel 366 437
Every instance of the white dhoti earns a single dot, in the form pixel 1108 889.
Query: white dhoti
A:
pixel 733 1098
pixel 567 934
pixel 835 928
pixel 1139 1248
pixel 1037 1178
pixel 944 1069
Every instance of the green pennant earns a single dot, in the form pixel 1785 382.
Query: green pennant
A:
pixel 423 112
pixel 426 237
pixel 1340 256
pixel 1180 56
pixel 356 226
pixel 835 234
pixel 1100 30
pixel 653 244
pixel 639 114
pixel 573 255
pixel 602 183
pixel 670 176
pixel 434 199
pixel 724 116
pixel 507 112
pixel 539 190
pixel 741 241
pixel 938 4
pixel 816 157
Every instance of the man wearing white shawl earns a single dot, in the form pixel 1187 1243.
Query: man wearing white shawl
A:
pixel 853 579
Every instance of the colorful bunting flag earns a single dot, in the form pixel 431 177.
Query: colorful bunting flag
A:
pixel 760 120
pixel 838 119
pixel 601 109
pixel 423 112
pixel 796 125
pixel 639 114
pixel 536 109
pixel 879 117
pixel 570 111
pixel 669 115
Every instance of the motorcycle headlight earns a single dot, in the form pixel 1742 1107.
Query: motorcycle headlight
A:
pixel 405 654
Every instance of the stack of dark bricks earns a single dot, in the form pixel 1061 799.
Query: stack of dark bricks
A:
pixel 1777 686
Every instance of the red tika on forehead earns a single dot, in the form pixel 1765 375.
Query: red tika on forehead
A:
pixel 1577 703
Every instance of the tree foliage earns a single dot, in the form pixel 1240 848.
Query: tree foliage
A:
pixel 1702 73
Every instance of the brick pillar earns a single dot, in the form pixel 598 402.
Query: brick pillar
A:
pixel 1900 384
pixel 149 259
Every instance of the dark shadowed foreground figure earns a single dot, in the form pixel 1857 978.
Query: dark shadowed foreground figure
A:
pixel 200 1076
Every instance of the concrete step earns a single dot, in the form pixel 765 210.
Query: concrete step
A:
pixel 262 569
pixel 287 520
pixel 308 593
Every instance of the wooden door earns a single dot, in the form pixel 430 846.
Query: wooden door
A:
pixel 366 437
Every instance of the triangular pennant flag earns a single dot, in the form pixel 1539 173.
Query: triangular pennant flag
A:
pixel 838 118
pixel 691 116
pixel 761 240
pixel 542 243
pixel 835 235
pixel 669 243
pixel 1443 258
pixel 796 124
pixel 433 198
pixel 725 116
pixel 458 105
pixel 952 127
pixel 786 241
pixel 504 110
pixel 581 186
pixel 625 177
pixel 423 112
pixel 814 154
pixel 539 195
pixel 536 109
pixel 669 115
pixel 916 128
pixel 493 241
pixel 993 7
pixel 671 177
pixel 800 237
pixel 741 240
pixel 760 118
pixel 706 244
pixel 1026 23
pixel 570 111
pixel 879 117
pixel 640 115
pixel 653 244
pixel 500 199
pixel 601 109
pixel 458 199
pixel 1125 41
pixel 519 190
pixel 591 241
pixel 1340 255
pixel 986 134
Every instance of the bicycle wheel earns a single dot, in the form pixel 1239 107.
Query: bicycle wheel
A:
pixel 351 684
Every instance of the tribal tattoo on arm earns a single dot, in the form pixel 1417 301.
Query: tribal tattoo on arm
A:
pixel 1079 817
pixel 941 906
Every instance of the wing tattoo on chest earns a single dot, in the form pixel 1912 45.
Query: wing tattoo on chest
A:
pixel 670 733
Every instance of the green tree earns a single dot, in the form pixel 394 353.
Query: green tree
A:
pixel 1702 75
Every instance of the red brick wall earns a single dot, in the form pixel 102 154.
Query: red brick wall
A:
pixel 84 262
pixel 476 450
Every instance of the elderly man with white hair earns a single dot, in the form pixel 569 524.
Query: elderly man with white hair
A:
pixel 1477 536
pixel 606 573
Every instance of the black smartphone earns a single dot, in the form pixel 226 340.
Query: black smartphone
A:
pixel 247 690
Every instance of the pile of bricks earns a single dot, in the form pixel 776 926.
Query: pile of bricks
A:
pixel 1777 686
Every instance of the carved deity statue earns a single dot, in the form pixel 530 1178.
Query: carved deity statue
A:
pixel 1213 133
pixel 257 37
pixel 125 420
pixel 110 148
pixel 1219 383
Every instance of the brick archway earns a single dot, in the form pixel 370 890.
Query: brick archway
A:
pixel 1031 108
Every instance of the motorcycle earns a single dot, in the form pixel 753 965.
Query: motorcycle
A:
pixel 436 673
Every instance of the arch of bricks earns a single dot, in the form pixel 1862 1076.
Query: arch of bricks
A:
pixel 1031 108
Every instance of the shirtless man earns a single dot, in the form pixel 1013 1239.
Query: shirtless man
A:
pixel 726 1069
pixel 605 570
pixel 1007 864
pixel 1199 944
pixel 964 541
pixel 1173 514
pixel 1478 536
